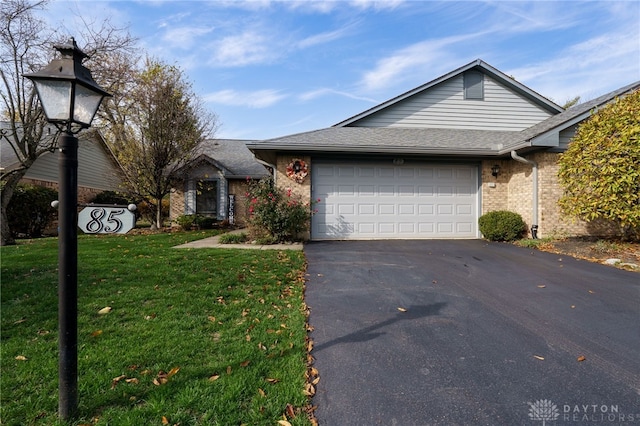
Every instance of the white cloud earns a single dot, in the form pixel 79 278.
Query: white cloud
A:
pixel 184 37
pixel 323 38
pixel 377 4
pixel 587 69
pixel 240 50
pixel 256 99
pixel 315 94
pixel 408 60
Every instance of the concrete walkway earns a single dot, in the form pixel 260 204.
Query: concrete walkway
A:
pixel 214 242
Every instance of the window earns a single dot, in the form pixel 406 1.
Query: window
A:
pixel 473 85
pixel 207 197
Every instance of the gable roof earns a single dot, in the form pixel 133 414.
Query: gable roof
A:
pixel 232 157
pixel 433 141
pixel 478 65
pixel 573 115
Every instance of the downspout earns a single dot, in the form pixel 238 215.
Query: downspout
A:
pixel 272 166
pixel 534 200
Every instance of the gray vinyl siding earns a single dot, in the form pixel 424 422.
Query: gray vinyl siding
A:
pixel 95 168
pixel 566 135
pixel 444 106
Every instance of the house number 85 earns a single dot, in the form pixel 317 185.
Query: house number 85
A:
pixel 103 222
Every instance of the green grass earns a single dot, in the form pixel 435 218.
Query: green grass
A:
pixel 235 314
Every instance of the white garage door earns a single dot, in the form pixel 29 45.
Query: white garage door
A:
pixel 383 201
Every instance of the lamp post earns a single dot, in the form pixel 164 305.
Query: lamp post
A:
pixel 70 99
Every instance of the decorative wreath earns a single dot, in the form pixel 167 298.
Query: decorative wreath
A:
pixel 297 170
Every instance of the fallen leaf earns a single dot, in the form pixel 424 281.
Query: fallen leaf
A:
pixel 165 421
pixel 229 369
pixel 132 380
pixel 96 333
pixel 284 423
pixel 573 306
pixel 402 309
pixel 214 377
pixel 591 291
pixel 104 310
pixel 541 286
pixel 211 318
pixel 262 393
pixel 173 371
pixel 21 358
pixel 290 411
pixel 244 363
pixel 581 358
pixel 20 321
pixel 539 357
pixel 115 380
pixel 273 381
pixel 309 390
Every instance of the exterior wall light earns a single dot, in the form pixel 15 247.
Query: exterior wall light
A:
pixel 495 170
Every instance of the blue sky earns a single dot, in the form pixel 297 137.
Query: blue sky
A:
pixel 270 68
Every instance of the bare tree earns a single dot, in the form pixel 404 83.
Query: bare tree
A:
pixel 156 130
pixel 22 42
pixel 25 46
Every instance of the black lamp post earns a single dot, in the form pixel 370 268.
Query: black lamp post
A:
pixel 70 98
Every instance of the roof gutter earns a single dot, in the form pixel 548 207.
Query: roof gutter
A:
pixel 534 200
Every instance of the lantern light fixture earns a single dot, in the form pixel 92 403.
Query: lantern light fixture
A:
pixel 68 93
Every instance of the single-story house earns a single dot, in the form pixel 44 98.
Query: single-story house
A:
pixel 215 183
pixel 429 162
pixel 98 169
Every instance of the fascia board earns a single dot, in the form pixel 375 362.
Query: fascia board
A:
pixel 378 150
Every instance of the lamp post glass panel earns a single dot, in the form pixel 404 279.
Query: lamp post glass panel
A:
pixel 70 99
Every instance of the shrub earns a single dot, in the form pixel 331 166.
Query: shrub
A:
pixel 186 221
pixel 233 238
pixel 276 215
pixel 111 197
pixel 206 222
pixel 29 213
pixel 502 225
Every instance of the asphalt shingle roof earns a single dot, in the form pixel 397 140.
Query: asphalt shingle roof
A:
pixel 392 139
pixel 234 156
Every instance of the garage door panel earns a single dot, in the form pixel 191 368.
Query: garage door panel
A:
pixel 386 190
pixel 366 190
pixel 372 200
pixel 366 209
pixel 386 229
pixel 386 209
pixel 386 172
pixel 406 209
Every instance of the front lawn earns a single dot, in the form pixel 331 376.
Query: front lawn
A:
pixel 165 336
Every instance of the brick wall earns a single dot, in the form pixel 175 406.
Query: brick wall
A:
pixel 301 191
pixel 84 194
pixel 512 192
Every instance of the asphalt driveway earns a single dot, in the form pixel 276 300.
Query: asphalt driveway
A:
pixel 466 332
